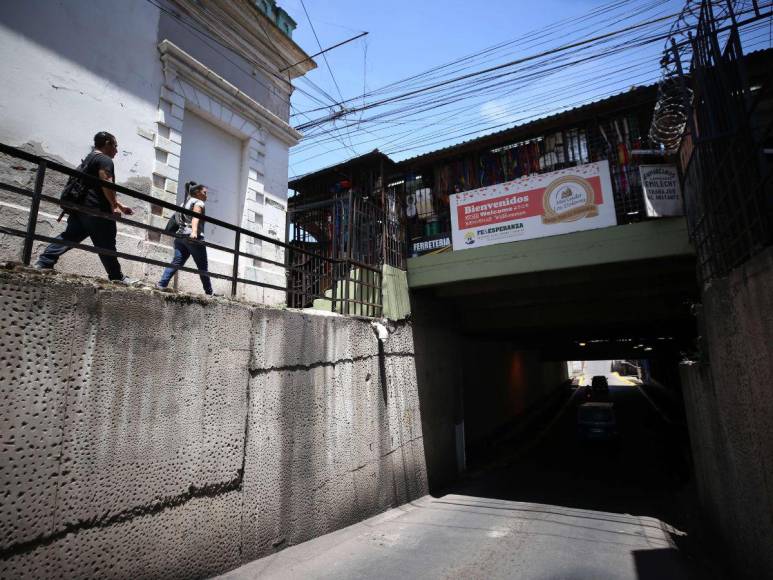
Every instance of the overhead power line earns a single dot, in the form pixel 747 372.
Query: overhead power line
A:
pixel 501 66
pixel 466 98
pixel 322 52
pixel 328 49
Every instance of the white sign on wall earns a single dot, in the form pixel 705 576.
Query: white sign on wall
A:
pixel 569 200
pixel 662 194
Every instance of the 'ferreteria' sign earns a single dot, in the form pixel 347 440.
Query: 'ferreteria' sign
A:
pixel 662 194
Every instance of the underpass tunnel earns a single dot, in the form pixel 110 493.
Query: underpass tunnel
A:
pixel 503 366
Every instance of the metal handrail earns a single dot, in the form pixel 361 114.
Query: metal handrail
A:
pixel 37 196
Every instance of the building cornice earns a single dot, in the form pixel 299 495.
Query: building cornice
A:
pixel 241 26
pixel 178 63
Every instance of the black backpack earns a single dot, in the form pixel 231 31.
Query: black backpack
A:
pixel 176 221
pixel 172 225
pixel 75 190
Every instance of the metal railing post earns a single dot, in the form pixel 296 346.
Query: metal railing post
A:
pixel 350 230
pixel 290 293
pixel 237 245
pixel 32 221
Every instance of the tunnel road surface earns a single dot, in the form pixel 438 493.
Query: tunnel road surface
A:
pixel 563 510
pixel 459 536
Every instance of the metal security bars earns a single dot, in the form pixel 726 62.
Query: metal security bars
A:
pixel 298 260
pixel 357 238
pixel 727 174
pixel 613 134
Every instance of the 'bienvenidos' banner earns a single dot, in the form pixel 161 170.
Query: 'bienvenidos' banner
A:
pixel 569 200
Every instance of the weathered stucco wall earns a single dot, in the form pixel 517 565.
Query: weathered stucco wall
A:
pixel 148 435
pixel 76 68
pixel 729 404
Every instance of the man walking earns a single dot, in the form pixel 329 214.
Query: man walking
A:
pixel 98 163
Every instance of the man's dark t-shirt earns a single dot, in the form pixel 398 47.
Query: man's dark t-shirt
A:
pixel 95 197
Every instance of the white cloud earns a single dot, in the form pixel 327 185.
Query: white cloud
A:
pixel 494 110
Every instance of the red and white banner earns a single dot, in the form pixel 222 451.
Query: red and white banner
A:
pixel 569 200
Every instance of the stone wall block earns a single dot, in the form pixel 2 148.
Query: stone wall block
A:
pixel 167 145
pixel 289 456
pixel 172 97
pixel 368 412
pixel 293 338
pixel 152 415
pixel 403 421
pixel 730 411
pixel 401 372
pixel 298 479
pixel 410 468
pixel 196 539
pixel 400 339
pixel 374 486
pixel 42 333
pixel 420 486
pixel 40 563
pixel 164 170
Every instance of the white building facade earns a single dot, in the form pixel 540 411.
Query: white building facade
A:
pixel 192 90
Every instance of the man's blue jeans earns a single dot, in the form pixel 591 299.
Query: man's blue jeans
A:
pixel 184 247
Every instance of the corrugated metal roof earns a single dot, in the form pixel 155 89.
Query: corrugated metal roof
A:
pixel 374 155
pixel 504 133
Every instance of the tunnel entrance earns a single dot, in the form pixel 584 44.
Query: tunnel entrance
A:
pixel 515 357
pixel 619 445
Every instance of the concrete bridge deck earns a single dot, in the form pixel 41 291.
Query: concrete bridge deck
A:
pixel 663 238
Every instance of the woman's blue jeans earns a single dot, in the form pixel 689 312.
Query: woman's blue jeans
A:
pixel 184 247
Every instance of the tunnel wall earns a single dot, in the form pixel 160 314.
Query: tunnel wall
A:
pixel 439 379
pixel 155 435
pixel 469 388
pixel 729 403
pixel 501 385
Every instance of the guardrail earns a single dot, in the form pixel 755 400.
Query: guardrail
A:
pixel 37 196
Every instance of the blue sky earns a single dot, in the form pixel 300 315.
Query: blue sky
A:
pixel 406 38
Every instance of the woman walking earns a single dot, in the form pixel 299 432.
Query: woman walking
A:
pixel 190 230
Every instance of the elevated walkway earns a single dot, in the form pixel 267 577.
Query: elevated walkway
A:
pixel 664 238
pixel 598 293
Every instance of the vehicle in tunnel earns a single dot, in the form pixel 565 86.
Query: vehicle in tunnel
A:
pixel 596 421
pixel 599 388
pixel 599 384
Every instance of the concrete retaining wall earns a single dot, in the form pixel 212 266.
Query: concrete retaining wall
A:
pixel 729 404
pixel 150 435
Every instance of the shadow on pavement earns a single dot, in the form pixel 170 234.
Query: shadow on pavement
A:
pixel 645 471
pixel 661 564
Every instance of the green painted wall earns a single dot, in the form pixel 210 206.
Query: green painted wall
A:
pixel 639 241
pixel 397 302
pixel 394 282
